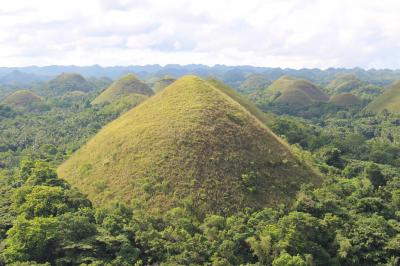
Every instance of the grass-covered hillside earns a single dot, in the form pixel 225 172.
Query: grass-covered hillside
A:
pixel 344 83
pixel 21 99
pixel 127 85
pixel 254 82
pixel 295 91
pixel 345 99
pixel 389 100
pixel 67 82
pixel 349 83
pixel 195 143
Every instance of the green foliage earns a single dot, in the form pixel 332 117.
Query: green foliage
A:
pixel 331 156
pixel 374 174
pixel 56 224
pixel 286 260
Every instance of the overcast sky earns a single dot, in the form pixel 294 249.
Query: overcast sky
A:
pixel 280 33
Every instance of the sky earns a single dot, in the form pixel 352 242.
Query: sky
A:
pixel 280 33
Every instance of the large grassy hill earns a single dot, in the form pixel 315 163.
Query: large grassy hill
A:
pixel 197 142
pixel 22 99
pixel 127 86
pixel 389 100
pixel 67 82
pixel 295 91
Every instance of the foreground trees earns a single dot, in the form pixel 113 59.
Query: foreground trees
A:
pixel 346 222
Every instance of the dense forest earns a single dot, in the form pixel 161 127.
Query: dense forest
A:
pixel 327 119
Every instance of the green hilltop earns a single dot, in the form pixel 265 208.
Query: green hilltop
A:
pixel 295 91
pixel 126 86
pixel 68 82
pixel 389 101
pixel 196 142
pixel 345 99
pixel 22 99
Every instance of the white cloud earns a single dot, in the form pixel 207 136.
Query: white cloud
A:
pixel 286 33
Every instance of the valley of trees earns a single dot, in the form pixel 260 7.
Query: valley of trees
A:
pixel 352 217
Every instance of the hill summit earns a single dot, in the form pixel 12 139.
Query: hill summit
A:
pixel 22 99
pixel 68 82
pixel 193 142
pixel 127 85
pixel 389 100
pixel 295 91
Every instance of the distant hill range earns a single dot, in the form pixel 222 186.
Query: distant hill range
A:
pixel 232 75
pixel 17 77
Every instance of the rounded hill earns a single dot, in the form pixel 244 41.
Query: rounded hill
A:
pixel 295 91
pixel 345 99
pixel 344 83
pixel 22 99
pixel 193 142
pixel 68 82
pixel 349 83
pixel 389 101
pixel 127 85
pixel 254 82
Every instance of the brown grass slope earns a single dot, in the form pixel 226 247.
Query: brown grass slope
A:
pixel 345 99
pixel 389 101
pixel 125 86
pixel 191 142
pixel 22 99
pixel 295 91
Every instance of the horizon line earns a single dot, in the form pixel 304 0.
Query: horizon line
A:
pixel 202 65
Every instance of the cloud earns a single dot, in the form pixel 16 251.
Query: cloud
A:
pixel 286 33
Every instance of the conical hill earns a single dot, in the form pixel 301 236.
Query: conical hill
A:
pixel 192 142
pixel 127 85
